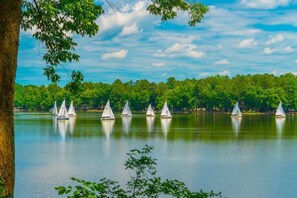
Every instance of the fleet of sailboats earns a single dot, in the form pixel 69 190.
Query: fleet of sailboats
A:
pixel 165 111
pixel 108 118
pixel 150 111
pixel 126 111
pixel 107 112
pixel 280 113
pixel 236 111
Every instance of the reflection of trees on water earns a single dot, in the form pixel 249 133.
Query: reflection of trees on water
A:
pixel 150 123
pixel 280 123
pixel 107 126
pixel 165 125
pixel 236 122
pixel 185 127
pixel 126 124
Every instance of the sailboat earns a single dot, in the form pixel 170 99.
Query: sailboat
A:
pixel 126 111
pixel 236 111
pixel 165 111
pixel 63 115
pixel 107 113
pixel 280 113
pixel 150 111
pixel 71 110
pixel 55 109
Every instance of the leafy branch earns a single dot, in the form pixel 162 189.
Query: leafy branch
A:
pixel 143 182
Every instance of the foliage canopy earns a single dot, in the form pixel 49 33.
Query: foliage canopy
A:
pixel 54 23
pixel 261 92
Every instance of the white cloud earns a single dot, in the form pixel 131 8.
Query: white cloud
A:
pixel 221 21
pixel 294 73
pixel 224 73
pixel 180 50
pixel 265 4
pixel 222 62
pixel 295 61
pixel 130 29
pixel 268 50
pixel 288 49
pixel 159 64
pixel 115 55
pixel 275 39
pixel 164 74
pixel 203 74
pixel 248 43
pixel 129 14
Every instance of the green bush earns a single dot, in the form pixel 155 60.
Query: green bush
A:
pixel 143 182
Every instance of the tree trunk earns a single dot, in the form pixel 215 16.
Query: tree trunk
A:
pixel 9 41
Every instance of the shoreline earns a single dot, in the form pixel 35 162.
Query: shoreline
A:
pixel 174 112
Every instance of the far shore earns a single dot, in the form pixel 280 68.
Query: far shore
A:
pixel 174 112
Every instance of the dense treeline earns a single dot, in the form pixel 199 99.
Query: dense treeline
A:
pixel 260 92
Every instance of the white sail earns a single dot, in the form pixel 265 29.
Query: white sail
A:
pixel 236 111
pixel 63 115
pixel 126 111
pixel 71 110
pixel 280 111
pixel 165 111
pixel 150 111
pixel 107 113
pixel 55 109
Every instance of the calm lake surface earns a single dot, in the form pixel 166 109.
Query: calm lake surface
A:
pixel 255 156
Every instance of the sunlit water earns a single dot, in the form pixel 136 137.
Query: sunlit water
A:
pixel 255 156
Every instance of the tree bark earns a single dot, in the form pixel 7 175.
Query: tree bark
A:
pixel 10 19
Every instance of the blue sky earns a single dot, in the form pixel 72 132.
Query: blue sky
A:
pixel 236 37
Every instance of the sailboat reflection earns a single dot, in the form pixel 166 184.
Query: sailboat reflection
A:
pixel 150 123
pixel 107 126
pixel 126 123
pixel 280 123
pixel 236 122
pixel 72 121
pixel 55 124
pixel 165 125
pixel 62 128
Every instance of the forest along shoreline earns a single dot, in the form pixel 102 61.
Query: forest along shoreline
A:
pixel 259 93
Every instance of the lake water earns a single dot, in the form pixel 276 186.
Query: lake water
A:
pixel 255 156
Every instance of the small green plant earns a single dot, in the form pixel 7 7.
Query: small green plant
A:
pixel 143 182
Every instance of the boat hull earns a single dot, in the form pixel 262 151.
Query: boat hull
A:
pixel 125 115
pixel 236 116
pixel 107 118
pixel 280 116
pixel 150 115
pixel 166 117
pixel 72 115
pixel 62 118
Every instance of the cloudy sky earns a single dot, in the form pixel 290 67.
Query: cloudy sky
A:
pixel 236 37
